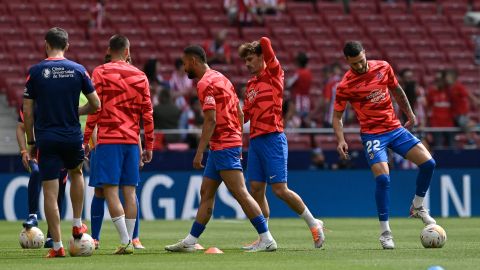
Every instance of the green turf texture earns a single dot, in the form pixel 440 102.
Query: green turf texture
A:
pixel 350 244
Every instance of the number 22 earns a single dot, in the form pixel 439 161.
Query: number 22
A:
pixel 375 144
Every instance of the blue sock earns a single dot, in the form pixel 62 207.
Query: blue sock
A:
pixel 197 229
pixel 137 222
pixel 382 196
pixel 96 215
pixel 260 224
pixel 34 185
pixel 424 177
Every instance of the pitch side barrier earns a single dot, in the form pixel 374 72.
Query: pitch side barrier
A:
pixel 175 195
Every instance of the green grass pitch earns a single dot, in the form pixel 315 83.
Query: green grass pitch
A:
pixel 351 244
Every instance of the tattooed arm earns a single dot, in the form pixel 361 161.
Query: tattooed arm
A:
pixel 404 105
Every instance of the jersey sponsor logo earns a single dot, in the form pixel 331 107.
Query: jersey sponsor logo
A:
pixel 47 73
pixel 252 93
pixel 209 100
pixel 377 96
pixel 379 75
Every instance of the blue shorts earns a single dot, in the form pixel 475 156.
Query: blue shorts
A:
pixel 267 158
pixel 117 164
pixel 222 160
pixel 375 146
pixel 53 156
pixel 92 182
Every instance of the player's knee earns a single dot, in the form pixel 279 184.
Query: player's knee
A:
pixel 99 193
pixel 383 181
pixel 257 190
pixel 428 165
pixel 281 191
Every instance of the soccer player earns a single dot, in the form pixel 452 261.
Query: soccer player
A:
pixel 34 183
pixel 125 96
pixel 366 86
pixel 53 88
pixel 268 149
pixel 222 129
pixel 97 207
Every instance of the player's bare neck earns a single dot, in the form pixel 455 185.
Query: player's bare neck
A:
pixel 56 54
pixel 202 69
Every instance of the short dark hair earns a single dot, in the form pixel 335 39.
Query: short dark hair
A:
pixel 249 48
pixel 352 48
pixel 118 43
pixel 302 59
pixel 57 38
pixel 196 51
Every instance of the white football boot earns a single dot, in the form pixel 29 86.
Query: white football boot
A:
pixel 181 247
pixel 264 246
pixel 386 239
pixel 422 214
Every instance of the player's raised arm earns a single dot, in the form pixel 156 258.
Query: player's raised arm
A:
pixel 337 123
pixel 273 65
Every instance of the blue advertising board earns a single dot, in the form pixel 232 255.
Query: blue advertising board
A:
pixel 175 195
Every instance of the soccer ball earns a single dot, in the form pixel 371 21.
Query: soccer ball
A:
pixel 433 236
pixel 81 247
pixel 31 238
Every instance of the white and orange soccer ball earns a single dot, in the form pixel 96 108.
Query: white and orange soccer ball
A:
pixel 31 238
pixel 82 247
pixel 433 236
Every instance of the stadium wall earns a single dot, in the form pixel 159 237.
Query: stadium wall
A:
pixel 175 195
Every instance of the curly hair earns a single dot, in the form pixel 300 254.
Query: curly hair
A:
pixel 249 48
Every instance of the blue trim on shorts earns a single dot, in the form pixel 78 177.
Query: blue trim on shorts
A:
pixel 222 160
pixel 268 158
pixel 376 146
pixel 117 164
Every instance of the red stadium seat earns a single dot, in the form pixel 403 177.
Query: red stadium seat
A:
pixel 288 33
pixel 433 20
pixel 208 7
pixel 307 20
pixel 402 20
pixel 65 22
pixel 300 8
pixel 219 20
pixel 227 70
pixel 116 9
pixel 367 7
pixel 336 21
pixel 51 9
pixel 468 70
pixel 332 56
pixel 28 21
pixel 327 44
pixel 326 8
pixel 390 8
pixel 431 57
pixel 166 33
pixel 7 21
pixel 421 44
pixel 145 8
pixel 443 32
pixel 19 9
pixel 350 33
pixel 294 46
pixel 123 22
pixel 176 7
pixel 232 32
pixel 453 44
pixel 193 33
pixel 464 57
pixel 254 33
pixel 412 32
pixel 425 8
pixel 144 45
pixel 372 20
pixel 154 21
pixel 186 20
pixel 278 21
pixel 381 32
pixel 454 8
